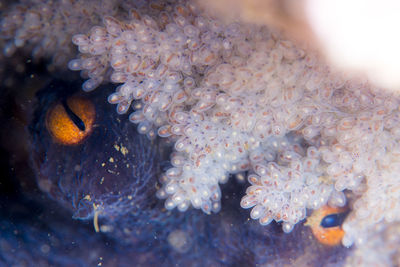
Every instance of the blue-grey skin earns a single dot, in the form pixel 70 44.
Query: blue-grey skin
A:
pixel 54 226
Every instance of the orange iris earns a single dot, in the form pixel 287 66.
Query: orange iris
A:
pixel 71 121
pixel 331 236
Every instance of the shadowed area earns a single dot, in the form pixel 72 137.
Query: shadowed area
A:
pixel 108 184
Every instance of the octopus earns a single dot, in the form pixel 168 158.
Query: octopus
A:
pixel 93 201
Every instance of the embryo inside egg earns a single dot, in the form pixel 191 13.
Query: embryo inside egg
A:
pixel 199 102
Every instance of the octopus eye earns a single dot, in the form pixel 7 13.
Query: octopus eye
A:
pixel 326 224
pixel 71 120
pixel 333 220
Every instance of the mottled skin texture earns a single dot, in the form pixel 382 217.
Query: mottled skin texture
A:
pixel 126 164
pixel 61 214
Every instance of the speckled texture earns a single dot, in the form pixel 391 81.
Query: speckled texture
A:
pixel 246 101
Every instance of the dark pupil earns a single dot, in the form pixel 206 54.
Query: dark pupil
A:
pixel 333 220
pixel 74 118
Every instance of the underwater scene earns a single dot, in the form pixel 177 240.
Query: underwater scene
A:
pixel 159 132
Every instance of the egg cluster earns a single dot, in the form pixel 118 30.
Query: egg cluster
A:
pixel 235 99
pixel 282 190
pixel 382 248
pixel 45 28
pixel 238 98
